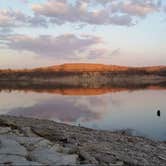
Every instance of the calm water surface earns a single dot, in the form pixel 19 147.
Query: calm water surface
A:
pixel 132 110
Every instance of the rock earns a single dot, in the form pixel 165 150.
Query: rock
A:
pixel 43 143
pixel 89 165
pixel 16 160
pixel 25 141
pixel 4 130
pixel 28 132
pixel 17 133
pixel 163 158
pixel 87 158
pixel 119 163
pixel 57 148
pixel 52 157
pixel 50 134
pixel 11 147
pixel 67 150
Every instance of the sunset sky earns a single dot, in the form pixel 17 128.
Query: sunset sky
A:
pixel 47 32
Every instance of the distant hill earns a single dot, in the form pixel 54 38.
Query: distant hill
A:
pixel 89 67
pixel 85 75
pixel 82 67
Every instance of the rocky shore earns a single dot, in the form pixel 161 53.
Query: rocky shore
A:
pixel 26 141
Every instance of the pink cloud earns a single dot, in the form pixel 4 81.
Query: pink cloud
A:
pixel 67 46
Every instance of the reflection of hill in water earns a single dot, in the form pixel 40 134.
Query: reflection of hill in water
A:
pixel 78 91
pixel 64 110
pixel 88 92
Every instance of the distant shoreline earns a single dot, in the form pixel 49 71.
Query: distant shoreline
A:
pixel 85 76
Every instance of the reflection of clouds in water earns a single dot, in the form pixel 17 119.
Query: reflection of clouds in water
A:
pixel 15 99
pixel 60 109
pixel 95 103
pixel 12 100
pixel 56 107
pixel 102 105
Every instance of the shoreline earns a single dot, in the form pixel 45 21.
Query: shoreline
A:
pixel 84 76
pixel 62 144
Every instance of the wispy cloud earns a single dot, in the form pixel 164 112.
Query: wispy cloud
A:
pixel 61 11
pixel 16 18
pixel 85 11
pixel 67 46
pixel 138 8
pixel 91 12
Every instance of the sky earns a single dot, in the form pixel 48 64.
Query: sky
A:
pixel 36 33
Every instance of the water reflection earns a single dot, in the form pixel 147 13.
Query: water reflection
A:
pixel 134 110
pixel 64 110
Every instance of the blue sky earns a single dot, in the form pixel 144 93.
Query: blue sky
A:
pixel 47 32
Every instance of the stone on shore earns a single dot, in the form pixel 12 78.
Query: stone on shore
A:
pixel 26 141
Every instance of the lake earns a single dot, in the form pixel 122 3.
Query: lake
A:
pixel 105 109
